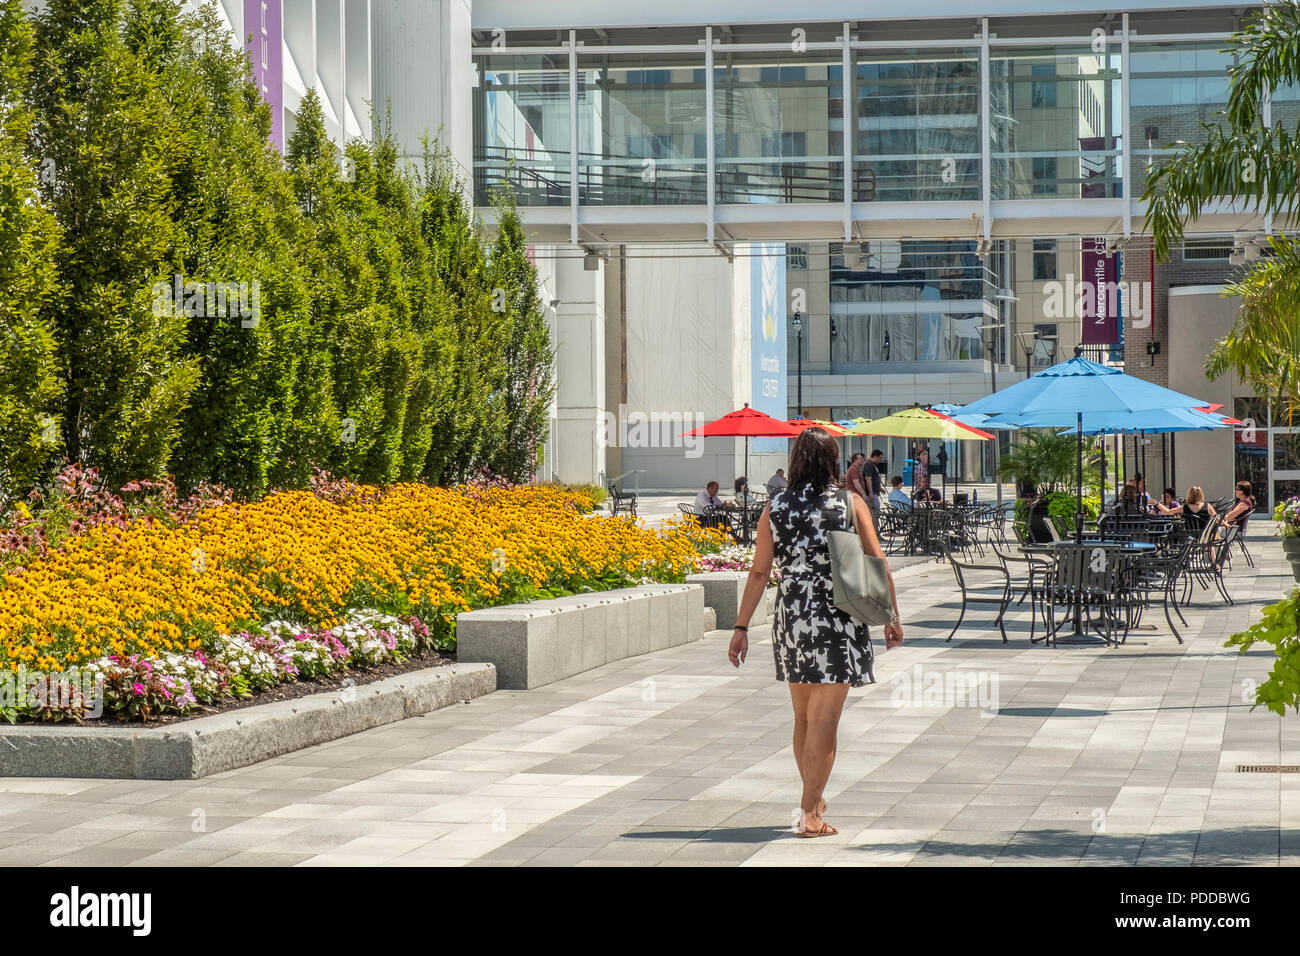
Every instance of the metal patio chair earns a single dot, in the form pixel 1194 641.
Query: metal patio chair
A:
pixel 977 593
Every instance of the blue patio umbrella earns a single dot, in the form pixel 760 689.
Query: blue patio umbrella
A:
pixel 1076 393
pixel 1078 385
pixel 1157 421
pixel 959 413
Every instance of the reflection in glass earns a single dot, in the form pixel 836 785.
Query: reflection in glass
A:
pixel 641 130
pixel 779 127
pixel 917 134
pixel 1286 451
pixel 908 302
pixel 521 128
pixel 1174 88
pixel 1054 123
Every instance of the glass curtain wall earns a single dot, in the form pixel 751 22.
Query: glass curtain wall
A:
pixel 1268 455
pixel 642 124
pixel 521 128
pixel 1174 88
pixel 1055 122
pixel 779 125
pixel 914 301
pixel 918 121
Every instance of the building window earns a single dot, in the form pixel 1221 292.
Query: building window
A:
pixel 796 257
pixel 1044 259
pixel 1044 174
pixel 782 74
pixel 1042 92
pixel 1045 344
pixel 1214 247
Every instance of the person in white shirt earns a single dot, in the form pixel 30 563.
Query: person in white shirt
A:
pixel 897 496
pixel 708 498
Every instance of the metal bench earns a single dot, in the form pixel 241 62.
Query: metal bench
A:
pixel 622 502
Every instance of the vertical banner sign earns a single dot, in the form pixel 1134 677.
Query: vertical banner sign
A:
pixel 1117 350
pixel 1096 294
pixel 767 336
pixel 263 31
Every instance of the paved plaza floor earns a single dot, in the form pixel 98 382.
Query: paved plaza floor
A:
pixel 1092 755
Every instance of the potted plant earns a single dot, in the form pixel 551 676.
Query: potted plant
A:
pixel 1286 521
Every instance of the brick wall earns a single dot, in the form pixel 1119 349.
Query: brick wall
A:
pixel 1175 272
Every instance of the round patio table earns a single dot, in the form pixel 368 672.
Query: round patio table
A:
pixel 1080 635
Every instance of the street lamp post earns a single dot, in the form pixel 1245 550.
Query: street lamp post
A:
pixel 993 383
pixel 1027 342
pixel 797 322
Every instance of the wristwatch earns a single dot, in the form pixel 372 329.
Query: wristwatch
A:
pixel 894 621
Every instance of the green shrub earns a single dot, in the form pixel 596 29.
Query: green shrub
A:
pixel 1279 625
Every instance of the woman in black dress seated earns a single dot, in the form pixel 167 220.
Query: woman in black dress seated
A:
pixel 1038 517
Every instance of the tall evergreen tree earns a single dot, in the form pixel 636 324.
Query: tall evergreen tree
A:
pixel 260 412
pixel 104 126
pixel 470 418
pixel 528 356
pixel 29 384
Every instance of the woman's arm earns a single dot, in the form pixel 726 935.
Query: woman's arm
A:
pixel 871 545
pixel 759 574
pixel 1176 510
pixel 1239 509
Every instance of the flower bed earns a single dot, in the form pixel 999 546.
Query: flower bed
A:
pixel 735 557
pixel 226 598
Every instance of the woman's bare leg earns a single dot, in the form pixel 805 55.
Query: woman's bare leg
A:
pixel 822 705
pixel 800 702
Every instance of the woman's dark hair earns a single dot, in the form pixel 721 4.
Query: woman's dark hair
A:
pixel 741 483
pixel 814 458
pixel 1129 492
pixel 1244 488
pixel 1171 493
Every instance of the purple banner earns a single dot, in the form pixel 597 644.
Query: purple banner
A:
pixel 263 30
pixel 1098 295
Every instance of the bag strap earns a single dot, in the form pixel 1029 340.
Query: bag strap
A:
pixel 847 497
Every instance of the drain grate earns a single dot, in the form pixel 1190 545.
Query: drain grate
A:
pixel 1267 768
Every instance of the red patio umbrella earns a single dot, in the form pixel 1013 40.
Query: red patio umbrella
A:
pixel 746 423
pixel 803 424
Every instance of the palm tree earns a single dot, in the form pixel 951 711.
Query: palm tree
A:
pixel 1048 462
pixel 1243 159
pixel 1264 344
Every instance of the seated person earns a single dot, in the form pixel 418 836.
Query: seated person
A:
pixel 1243 508
pixel 708 498
pixel 1193 509
pixel 1128 502
pixel 897 496
pixel 742 495
pixel 1038 518
pixel 777 483
pixel 925 493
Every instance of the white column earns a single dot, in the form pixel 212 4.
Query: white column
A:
pixel 421 63
pixel 579 432
pixel 1126 129
pixel 986 181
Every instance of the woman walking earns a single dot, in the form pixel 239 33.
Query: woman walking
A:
pixel 820 651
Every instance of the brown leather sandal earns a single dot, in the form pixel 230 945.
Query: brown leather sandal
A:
pixel 826 830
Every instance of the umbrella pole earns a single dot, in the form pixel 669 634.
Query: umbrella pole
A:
pixel 744 502
pixel 1101 494
pixel 1078 470
pixel 1143 435
pixel 1172 461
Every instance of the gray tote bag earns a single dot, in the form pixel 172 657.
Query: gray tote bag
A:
pixel 861 582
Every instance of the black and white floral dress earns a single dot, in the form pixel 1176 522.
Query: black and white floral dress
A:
pixel 813 641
